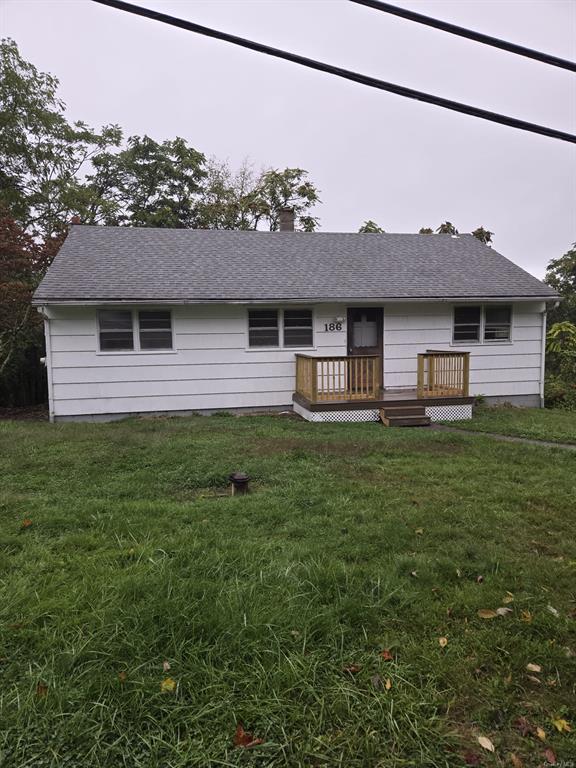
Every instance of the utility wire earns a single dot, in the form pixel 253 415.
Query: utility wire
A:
pixel 372 82
pixel 454 29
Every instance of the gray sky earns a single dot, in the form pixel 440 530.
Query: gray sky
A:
pixel 372 154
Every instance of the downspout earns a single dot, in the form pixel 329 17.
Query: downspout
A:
pixel 543 357
pixel 48 361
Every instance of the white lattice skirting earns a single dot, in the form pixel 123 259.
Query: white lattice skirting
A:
pixel 436 413
pixel 449 412
pixel 370 414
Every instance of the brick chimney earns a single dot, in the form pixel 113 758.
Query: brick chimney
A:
pixel 286 219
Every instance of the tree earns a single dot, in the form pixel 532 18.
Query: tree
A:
pixel 561 275
pixel 148 184
pixel 245 200
pixel 484 235
pixel 370 227
pixel 42 155
pixel 426 231
pixel 447 229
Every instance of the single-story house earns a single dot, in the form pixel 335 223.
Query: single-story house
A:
pixel 143 321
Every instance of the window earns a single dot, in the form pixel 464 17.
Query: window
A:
pixel 116 330
pixel 467 323
pixel 497 323
pixel 491 323
pixel 264 328
pixel 298 328
pixel 155 330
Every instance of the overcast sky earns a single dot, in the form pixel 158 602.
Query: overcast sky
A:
pixel 373 155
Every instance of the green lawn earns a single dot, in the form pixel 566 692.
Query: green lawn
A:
pixel 273 610
pixel 537 423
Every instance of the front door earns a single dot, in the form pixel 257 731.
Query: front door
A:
pixel 365 325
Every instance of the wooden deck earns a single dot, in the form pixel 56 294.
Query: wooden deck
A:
pixel 386 397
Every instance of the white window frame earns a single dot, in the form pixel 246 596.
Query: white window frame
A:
pixel 281 342
pixel 137 350
pixel 482 341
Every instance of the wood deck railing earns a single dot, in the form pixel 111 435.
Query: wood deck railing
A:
pixel 324 379
pixel 443 374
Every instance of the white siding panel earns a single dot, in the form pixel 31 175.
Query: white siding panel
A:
pixel 171 403
pixel 210 366
pixel 506 369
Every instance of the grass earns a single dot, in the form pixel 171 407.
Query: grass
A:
pixel 553 425
pixel 355 539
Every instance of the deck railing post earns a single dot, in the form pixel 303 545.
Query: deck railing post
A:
pixel 314 382
pixel 420 380
pixel 466 374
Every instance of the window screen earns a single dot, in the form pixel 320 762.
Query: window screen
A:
pixel 263 328
pixel 116 332
pixel 298 328
pixel 497 323
pixel 155 330
pixel 467 323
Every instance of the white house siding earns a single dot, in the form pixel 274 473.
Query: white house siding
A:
pixel 213 369
pixel 504 370
pixel 210 369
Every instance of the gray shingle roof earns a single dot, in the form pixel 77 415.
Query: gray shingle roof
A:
pixel 123 264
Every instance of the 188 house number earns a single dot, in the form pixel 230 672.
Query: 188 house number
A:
pixel 332 326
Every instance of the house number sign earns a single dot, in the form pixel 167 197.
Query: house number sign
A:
pixel 332 326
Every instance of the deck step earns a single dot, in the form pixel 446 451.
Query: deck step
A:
pixel 403 410
pixel 391 419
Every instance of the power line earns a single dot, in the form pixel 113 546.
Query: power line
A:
pixel 372 82
pixel 454 29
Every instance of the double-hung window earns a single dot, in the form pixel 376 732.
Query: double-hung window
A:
pixel 490 324
pixel 126 330
pixel 289 328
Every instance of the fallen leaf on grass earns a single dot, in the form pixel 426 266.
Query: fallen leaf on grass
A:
pixel 503 611
pixel 168 685
pixel 41 690
pixel 166 666
pixel 26 523
pixel 487 613
pixel 352 669
pixel 523 726
pixel 526 616
pixel 541 733
pixel 516 761
pixel 550 756
pixel 122 676
pixel 414 574
pixel 552 610
pixel 533 667
pixel 508 598
pixel 443 642
pixel 479 579
pixel 534 679
pixel 376 681
pixel 245 739
pixel 386 654
pixel 419 531
pixel 388 684
pixel 485 743
pixel 561 725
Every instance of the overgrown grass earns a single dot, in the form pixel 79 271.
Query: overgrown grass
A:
pixel 355 539
pixel 537 423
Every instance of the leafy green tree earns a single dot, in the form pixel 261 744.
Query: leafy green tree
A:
pixel 447 228
pixel 426 231
pixel 484 235
pixel 148 184
pixel 370 227
pixel 561 275
pixel 42 155
pixel 245 200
